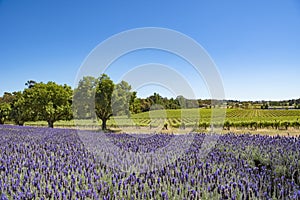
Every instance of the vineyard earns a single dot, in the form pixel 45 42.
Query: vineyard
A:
pixel 199 119
pixel 202 118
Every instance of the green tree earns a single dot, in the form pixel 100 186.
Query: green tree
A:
pixel 173 104
pixel 121 99
pixel 182 101
pixel 156 99
pixel 7 98
pixel 4 112
pixel 50 102
pixel 145 104
pixel 83 99
pixel 134 103
pixel 103 97
pixel 20 109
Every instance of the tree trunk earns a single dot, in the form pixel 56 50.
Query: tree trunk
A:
pixel 50 124
pixel 104 124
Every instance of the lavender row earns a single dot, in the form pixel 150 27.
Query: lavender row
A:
pixel 44 163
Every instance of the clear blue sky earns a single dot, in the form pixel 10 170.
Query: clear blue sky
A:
pixel 255 44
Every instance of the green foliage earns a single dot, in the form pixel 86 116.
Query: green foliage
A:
pixel 21 110
pixel 265 106
pixel 259 159
pixel 83 99
pixel 100 97
pixel 50 102
pixel 281 170
pixel 7 98
pixel 121 98
pixel 204 125
pixel 285 124
pixel 191 116
pixel 4 112
pixel 103 99
pixel 182 101
pixel 145 105
pixel 134 104
pixel 227 125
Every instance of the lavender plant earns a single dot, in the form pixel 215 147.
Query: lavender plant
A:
pixel 44 163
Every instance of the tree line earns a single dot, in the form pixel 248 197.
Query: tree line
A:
pixel 95 97
pixel 39 101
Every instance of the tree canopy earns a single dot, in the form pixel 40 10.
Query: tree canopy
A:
pixel 103 97
pixel 121 99
pixel 83 99
pixel 4 112
pixel 21 109
pixel 50 102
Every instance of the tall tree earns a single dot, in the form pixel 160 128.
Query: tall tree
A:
pixel 145 104
pixel 134 103
pixel 4 112
pixel 50 102
pixel 103 97
pixel 173 104
pixel 121 98
pixel 20 109
pixel 83 99
pixel 182 101
pixel 156 99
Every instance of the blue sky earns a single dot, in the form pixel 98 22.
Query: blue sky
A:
pixel 254 44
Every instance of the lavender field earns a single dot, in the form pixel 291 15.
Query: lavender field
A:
pixel 45 163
